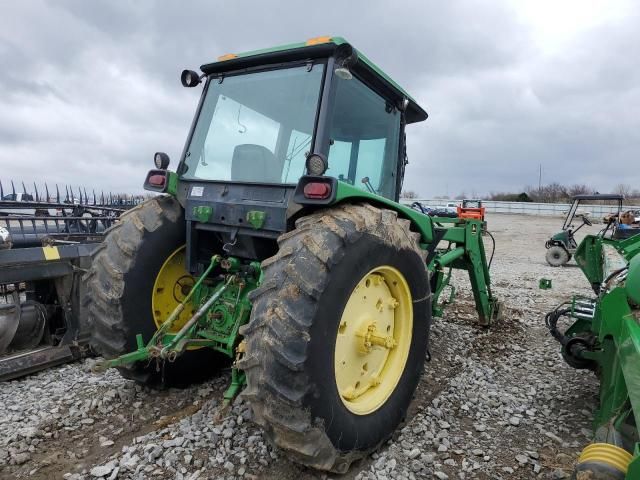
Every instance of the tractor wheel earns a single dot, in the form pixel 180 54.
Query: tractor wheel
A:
pixel 557 256
pixel 137 277
pixel 338 335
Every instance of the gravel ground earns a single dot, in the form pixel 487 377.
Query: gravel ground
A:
pixel 494 403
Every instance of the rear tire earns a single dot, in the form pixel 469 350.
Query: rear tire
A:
pixel 292 347
pixel 557 256
pixel 120 285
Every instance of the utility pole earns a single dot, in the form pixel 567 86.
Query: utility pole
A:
pixel 540 180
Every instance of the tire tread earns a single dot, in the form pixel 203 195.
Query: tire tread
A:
pixel 283 309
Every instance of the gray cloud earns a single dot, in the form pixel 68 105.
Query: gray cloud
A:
pixel 90 89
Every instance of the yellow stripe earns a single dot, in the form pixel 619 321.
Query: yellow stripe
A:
pixel 51 253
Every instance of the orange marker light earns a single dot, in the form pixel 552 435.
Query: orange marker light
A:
pixel 228 56
pixel 318 40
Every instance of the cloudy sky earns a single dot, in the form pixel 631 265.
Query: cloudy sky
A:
pixel 90 89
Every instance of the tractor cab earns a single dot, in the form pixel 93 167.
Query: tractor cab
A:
pixel 562 245
pixel 274 133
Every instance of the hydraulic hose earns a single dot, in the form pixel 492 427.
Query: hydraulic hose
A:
pixel 551 320
pixel 573 347
pixel 493 249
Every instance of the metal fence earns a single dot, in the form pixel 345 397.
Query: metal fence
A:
pixel 528 208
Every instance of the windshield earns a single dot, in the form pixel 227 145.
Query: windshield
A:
pixel 256 127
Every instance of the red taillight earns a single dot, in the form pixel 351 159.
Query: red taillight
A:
pixel 317 190
pixel 157 180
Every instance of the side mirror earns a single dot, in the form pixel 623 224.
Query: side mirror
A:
pixel 189 78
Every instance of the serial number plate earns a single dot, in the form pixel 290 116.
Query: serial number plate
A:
pixel 197 191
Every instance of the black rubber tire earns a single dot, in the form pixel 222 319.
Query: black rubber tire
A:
pixel 120 283
pixel 557 256
pixel 290 338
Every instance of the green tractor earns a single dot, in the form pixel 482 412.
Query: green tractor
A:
pixel 279 245
pixel 605 338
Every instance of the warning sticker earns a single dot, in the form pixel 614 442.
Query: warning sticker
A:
pixel 197 191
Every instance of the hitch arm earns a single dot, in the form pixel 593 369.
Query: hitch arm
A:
pixel 151 349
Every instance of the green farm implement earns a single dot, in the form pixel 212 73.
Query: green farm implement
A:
pixel 278 246
pixel 605 338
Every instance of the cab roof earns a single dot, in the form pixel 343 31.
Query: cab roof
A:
pixel 315 48
pixel 599 196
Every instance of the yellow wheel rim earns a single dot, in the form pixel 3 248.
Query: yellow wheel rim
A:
pixel 608 454
pixel 373 340
pixel 172 285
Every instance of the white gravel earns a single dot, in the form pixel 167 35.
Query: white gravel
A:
pixel 493 404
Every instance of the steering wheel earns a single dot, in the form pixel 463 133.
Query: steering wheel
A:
pixel 586 220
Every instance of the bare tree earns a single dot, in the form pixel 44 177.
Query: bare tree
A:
pixel 409 194
pixel 579 189
pixel 623 189
pixel 551 193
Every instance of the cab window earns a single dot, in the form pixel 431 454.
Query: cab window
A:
pixel 364 137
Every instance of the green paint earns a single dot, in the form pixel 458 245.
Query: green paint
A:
pixel 202 213
pixel 172 183
pixel 588 256
pixel 256 218
pixel 450 256
pixel 562 237
pixel 633 281
pixel 545 284
pixel 223 320
pixel 238 381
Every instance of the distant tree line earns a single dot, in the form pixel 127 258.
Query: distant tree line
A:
pixel 558 193
pixel 551 193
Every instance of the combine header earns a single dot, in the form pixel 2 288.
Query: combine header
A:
pixel 280 245
pixel 46 240
pixel 605 338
